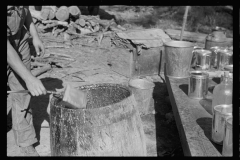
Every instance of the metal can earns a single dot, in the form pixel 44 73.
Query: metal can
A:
pixel 203 58
pixel 214 56
pixel 220 113
pixel 198 84
pixel 227 141
pixel 230 77
pixel 224 58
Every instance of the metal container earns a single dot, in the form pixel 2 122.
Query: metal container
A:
pixel 224 57
pixel 227 141
pixel 230 76
pixel 229 68
pixel 221 112
pixel 203 58
pixel 198 84
pixel 178 56
pixel 214 56
pixel 142 90
pixel 216 38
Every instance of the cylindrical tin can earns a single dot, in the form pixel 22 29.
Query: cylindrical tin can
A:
pixel 224 58
pixel 230 77
pixel 214 56
pixel 198 84
pixel 178 56
pixel 227 141
pixel 220 112
pixel 203 58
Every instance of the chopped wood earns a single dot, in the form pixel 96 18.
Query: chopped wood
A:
pixel 62 13
pixel 74 11
pixel 60 54
pixel 45 13
pixel 36 14
pixel 81 22
pixel 43 69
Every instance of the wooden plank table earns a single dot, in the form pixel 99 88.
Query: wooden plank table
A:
pixel 193 119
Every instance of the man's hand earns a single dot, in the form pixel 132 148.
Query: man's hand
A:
pixel 35 86
pixel 37 43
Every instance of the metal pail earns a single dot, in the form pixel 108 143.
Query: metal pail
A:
pixel 198 84
pixel 220 113
pixel 227 141
pixel 142 90
pixel 178 56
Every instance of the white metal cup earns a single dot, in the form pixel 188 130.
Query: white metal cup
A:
pixel 227 141
pixel 220 112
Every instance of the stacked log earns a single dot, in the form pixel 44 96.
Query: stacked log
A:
pixel 74 11
pixel 62 13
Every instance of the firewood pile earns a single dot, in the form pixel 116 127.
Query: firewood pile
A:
pixel 70 21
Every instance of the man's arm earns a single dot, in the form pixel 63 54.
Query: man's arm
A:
pixel 33 84
pixel 33 31
pixel 30 25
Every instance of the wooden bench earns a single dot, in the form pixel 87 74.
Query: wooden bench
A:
pixel 193 119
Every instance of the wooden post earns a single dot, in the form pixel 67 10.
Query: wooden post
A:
pixel 184 21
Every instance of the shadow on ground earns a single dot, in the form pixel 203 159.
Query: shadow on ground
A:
pixel 167 138
pixel 39 104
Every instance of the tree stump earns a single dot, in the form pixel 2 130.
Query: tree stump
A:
pixel 109 126
pixel 62 13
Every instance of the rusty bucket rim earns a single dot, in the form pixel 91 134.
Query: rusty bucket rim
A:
pixel 179 44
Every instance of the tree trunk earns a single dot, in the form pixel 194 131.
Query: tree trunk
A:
pixel 109 126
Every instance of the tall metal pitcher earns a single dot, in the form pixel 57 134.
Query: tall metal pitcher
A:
pixel 178 56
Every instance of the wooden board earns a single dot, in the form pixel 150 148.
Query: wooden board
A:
pixel 193 118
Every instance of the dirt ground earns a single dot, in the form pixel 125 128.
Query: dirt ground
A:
pixel 159 125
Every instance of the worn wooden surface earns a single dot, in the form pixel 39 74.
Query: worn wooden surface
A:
pixel 193 118
pixel 113 130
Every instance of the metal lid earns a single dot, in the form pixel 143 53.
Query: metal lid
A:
pixel 203 52
pixel 199 74
pixel 179 44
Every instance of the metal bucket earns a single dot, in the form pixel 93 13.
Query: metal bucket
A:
pixel 198 84
pixel 224 58
pixel 203 59
pixel 227 141
pixel 178 56
pixel 142 90
pixel 221 112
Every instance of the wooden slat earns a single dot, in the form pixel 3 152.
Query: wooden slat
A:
pixel 193 120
